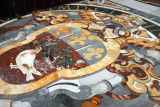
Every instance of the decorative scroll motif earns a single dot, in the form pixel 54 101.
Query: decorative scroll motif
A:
pixel 93 52
pixel 154 88
pixel 117 32
pixel 128 31
pixel 139 79
pixel 71 70
pixel 109 35
pixel 137 71
pixel 91 15
pixel 43 17
pixel 127 20
pixel 134 34
pixel 144 43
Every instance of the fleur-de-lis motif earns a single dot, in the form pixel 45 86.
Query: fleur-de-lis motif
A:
pixel 60 18
pixel 80 39
pixel 96 52
pixel 43 16
pixel 64 30
pixel 51 18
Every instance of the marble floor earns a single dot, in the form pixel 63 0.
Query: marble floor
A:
pixel 91 53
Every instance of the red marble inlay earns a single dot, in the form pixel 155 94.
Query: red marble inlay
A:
pixel 15 75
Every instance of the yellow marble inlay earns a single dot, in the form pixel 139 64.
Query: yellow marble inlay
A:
pixel 111 55
pixel 60 30
pixel 94 52
pixel 80 40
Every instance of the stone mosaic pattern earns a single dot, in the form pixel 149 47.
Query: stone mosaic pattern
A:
pixel 80 55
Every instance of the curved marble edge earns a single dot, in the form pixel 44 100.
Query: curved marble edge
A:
pixel 84 9
pixel 113 51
